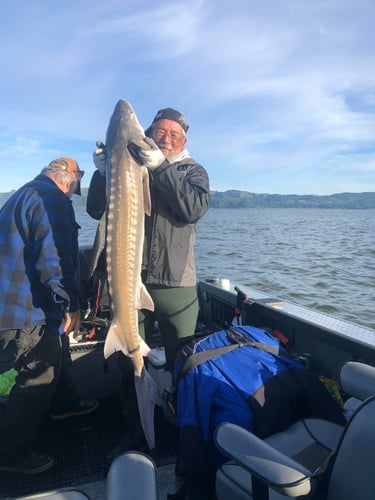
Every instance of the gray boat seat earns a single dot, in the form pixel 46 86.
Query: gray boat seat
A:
pixel 358 379
pixel 132 476
pixel 61 494
pixel 352 469
pixel 308 442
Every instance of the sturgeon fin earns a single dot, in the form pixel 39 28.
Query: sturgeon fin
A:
pixel 144 348
pixel 145 300
pixel 148 395
pixel 146 192
pixel 99 244
pixel 114 344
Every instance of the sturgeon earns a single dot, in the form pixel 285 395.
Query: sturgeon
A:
pixel 128 196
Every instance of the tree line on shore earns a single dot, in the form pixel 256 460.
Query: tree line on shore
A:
pixel 244 199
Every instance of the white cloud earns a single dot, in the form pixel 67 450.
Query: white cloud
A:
pixel 164 30
pixel 267 86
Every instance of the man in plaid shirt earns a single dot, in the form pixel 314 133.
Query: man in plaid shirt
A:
pixel 39 304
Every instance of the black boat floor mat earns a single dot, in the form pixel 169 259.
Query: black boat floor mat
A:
pixel 82 446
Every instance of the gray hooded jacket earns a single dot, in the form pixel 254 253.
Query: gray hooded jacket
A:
pixel 179 198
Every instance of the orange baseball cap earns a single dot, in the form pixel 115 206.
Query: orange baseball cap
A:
pixel 70 166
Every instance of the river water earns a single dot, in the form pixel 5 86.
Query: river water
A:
pixel 323 259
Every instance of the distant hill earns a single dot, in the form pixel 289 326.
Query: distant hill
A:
pixel 245 199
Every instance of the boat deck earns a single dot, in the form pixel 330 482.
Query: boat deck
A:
pixel 81 446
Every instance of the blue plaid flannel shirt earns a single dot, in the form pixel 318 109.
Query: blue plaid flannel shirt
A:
pixel 38 256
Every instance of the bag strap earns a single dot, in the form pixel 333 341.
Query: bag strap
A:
pixel 239 339
pixel 202 356
pixel 244 340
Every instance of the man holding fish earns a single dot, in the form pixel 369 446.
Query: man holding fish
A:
pixel 179 189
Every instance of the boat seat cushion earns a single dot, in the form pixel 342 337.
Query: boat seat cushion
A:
pixel 358 379
pixel 132 475
pixel 234 483
pixel 351 472
pixel 309 442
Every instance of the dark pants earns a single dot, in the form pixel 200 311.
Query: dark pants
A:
pixel 176 310
pixel 35 353
pixel 65 395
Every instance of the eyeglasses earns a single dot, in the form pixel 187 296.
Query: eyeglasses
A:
pixel 79 173
pixel 160 133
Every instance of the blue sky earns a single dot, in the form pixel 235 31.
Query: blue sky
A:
pixel 279 94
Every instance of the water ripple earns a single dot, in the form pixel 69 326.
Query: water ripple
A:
pixel 324 259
